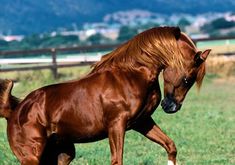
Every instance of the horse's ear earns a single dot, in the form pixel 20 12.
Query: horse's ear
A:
pixel 205 54
pixel 200 56
pixel 177 32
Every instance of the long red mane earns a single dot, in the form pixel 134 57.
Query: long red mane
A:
pixel 157 46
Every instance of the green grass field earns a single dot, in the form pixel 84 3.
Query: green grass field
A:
pixel 204 129
pixel 218 46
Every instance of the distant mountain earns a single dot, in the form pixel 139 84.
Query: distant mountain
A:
pixel 32 16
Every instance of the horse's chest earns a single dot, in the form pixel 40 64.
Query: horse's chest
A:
pixel 148 106
pixel 151 102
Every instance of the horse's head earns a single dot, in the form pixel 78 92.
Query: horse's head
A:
pixel 177 82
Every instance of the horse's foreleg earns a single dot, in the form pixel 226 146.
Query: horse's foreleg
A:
pixel 116 133
pixel 150 130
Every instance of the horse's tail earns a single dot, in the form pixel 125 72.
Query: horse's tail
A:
pixel 8 102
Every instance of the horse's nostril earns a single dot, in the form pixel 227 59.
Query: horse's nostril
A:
pixel 169 105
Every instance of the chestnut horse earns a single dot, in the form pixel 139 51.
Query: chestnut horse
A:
pixel 119 94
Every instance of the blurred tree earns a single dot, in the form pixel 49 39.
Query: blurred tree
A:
pixel 33 40
pixel 3 45
pixel 183 22
pixel 42 41
pixel 126 33
pixel 97 39
pixel 220 23
pixel 232 33
pixel 149 25
pixel 60 40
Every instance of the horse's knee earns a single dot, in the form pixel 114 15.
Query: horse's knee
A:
pixel 172 152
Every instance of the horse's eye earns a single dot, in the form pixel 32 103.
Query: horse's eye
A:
pixel 185 80
pixel 188 81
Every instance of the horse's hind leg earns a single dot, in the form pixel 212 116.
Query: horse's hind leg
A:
pixel 27 150
pixel 150 130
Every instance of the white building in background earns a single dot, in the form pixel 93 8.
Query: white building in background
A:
pixel 90 29
pixel 10 38
pixel 84 34
pixel 108 31
pixel 229 17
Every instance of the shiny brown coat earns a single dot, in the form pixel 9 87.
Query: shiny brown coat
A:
pixel 120 93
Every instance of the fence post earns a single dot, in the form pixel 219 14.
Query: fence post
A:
pixel 54 63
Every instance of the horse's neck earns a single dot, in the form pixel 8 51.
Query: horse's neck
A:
pixel 150 75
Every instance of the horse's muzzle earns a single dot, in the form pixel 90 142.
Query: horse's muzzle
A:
pixel 169 105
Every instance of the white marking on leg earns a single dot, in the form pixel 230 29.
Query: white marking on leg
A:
pixel 170 162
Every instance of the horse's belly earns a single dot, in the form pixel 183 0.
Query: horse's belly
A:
pixel 81 129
